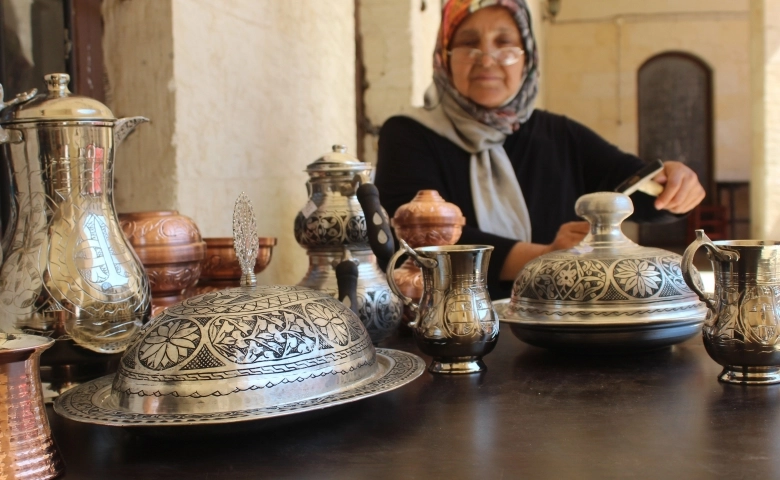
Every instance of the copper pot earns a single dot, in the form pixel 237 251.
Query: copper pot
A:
pixel 170 248
pixel 427 220
pixel 221 263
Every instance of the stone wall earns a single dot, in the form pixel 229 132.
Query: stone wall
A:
pixel 242 94
pixel 765 103
pixel 594 51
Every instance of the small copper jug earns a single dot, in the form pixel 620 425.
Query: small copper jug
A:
pixel 27 450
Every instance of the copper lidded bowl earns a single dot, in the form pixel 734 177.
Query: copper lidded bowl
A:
pixel 242 353
pixel 607 293
pixel 170 248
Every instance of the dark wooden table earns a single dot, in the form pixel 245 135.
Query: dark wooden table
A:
pixel 533 414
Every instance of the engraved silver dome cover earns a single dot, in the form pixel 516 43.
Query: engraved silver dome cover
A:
pixel 606 279
pixel 246 347
pixel 241 353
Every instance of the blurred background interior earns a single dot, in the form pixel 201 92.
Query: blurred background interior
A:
pixel 243 94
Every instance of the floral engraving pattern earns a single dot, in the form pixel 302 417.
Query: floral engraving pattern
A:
pixel 638 277
pixel 591 280
pixel 169 344
pixel 265 326
pixel 568 280
pixel 283 334
pixel 331 228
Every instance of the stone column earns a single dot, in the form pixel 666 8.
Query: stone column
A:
pixel 242 95
pixel 765 93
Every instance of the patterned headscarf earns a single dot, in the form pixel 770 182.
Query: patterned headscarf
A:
pixel 508 117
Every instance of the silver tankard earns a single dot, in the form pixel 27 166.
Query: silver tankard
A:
pixel 741 329
pixel 455 321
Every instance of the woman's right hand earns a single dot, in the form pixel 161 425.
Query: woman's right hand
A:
pixel 569 234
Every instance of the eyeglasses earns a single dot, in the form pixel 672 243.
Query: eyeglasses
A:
pixel 504 56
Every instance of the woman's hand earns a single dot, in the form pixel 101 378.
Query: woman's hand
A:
pixel 682 190
pixel 569 234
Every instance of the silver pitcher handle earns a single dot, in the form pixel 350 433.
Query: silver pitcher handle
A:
pixel 13 136
pixel 425 262
pixel 686 266
pixel 125 126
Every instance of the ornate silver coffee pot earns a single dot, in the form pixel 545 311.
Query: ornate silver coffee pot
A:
pixel 343 225
pixel 67 271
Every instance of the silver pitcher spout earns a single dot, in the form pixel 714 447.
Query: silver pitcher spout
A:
pixel 125 126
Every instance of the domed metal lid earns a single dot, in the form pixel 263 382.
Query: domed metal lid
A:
pixel 607 278
pixel 245 347
pixel 337 161
pixel 57 104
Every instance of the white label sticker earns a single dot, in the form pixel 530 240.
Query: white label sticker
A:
pixel 308 209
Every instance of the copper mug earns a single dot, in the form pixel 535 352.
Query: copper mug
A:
pixel 27 450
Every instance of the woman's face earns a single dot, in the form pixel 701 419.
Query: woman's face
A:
pixel 486 82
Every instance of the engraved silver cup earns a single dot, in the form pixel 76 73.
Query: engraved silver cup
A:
pixel 455 321
pixel 27 450
pixel 741 329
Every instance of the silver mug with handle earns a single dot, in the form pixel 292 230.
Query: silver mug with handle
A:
pixel 741 331
pixel 455 321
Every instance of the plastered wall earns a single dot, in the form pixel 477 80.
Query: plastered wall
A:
pixel 243 94
pixel 765 104
pixel 594 50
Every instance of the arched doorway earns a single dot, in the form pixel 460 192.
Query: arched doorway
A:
pixel 675 123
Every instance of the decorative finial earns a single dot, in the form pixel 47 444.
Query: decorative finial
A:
pixel 245 239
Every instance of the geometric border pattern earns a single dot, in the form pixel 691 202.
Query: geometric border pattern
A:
pixel 84 403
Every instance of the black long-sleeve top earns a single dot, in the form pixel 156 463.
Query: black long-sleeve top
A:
pixel 556 160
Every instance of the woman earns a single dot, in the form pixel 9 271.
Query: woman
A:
pixel 515 172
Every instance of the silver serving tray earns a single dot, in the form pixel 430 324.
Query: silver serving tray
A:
pixel 600 336
pixel 91 402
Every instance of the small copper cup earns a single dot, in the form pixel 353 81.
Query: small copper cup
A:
pixel 27 449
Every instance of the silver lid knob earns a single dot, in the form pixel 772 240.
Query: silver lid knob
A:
pixel 245 239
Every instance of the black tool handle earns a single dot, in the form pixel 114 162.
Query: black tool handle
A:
pixel 379 235
pixel 347 281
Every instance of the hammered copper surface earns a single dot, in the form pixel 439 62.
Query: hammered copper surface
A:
pixel 170 248
pixel 27 449
pixel 427 220
pixel 221 263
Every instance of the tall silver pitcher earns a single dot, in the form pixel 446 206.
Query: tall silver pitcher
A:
pixel 67 270
pixel 742 329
